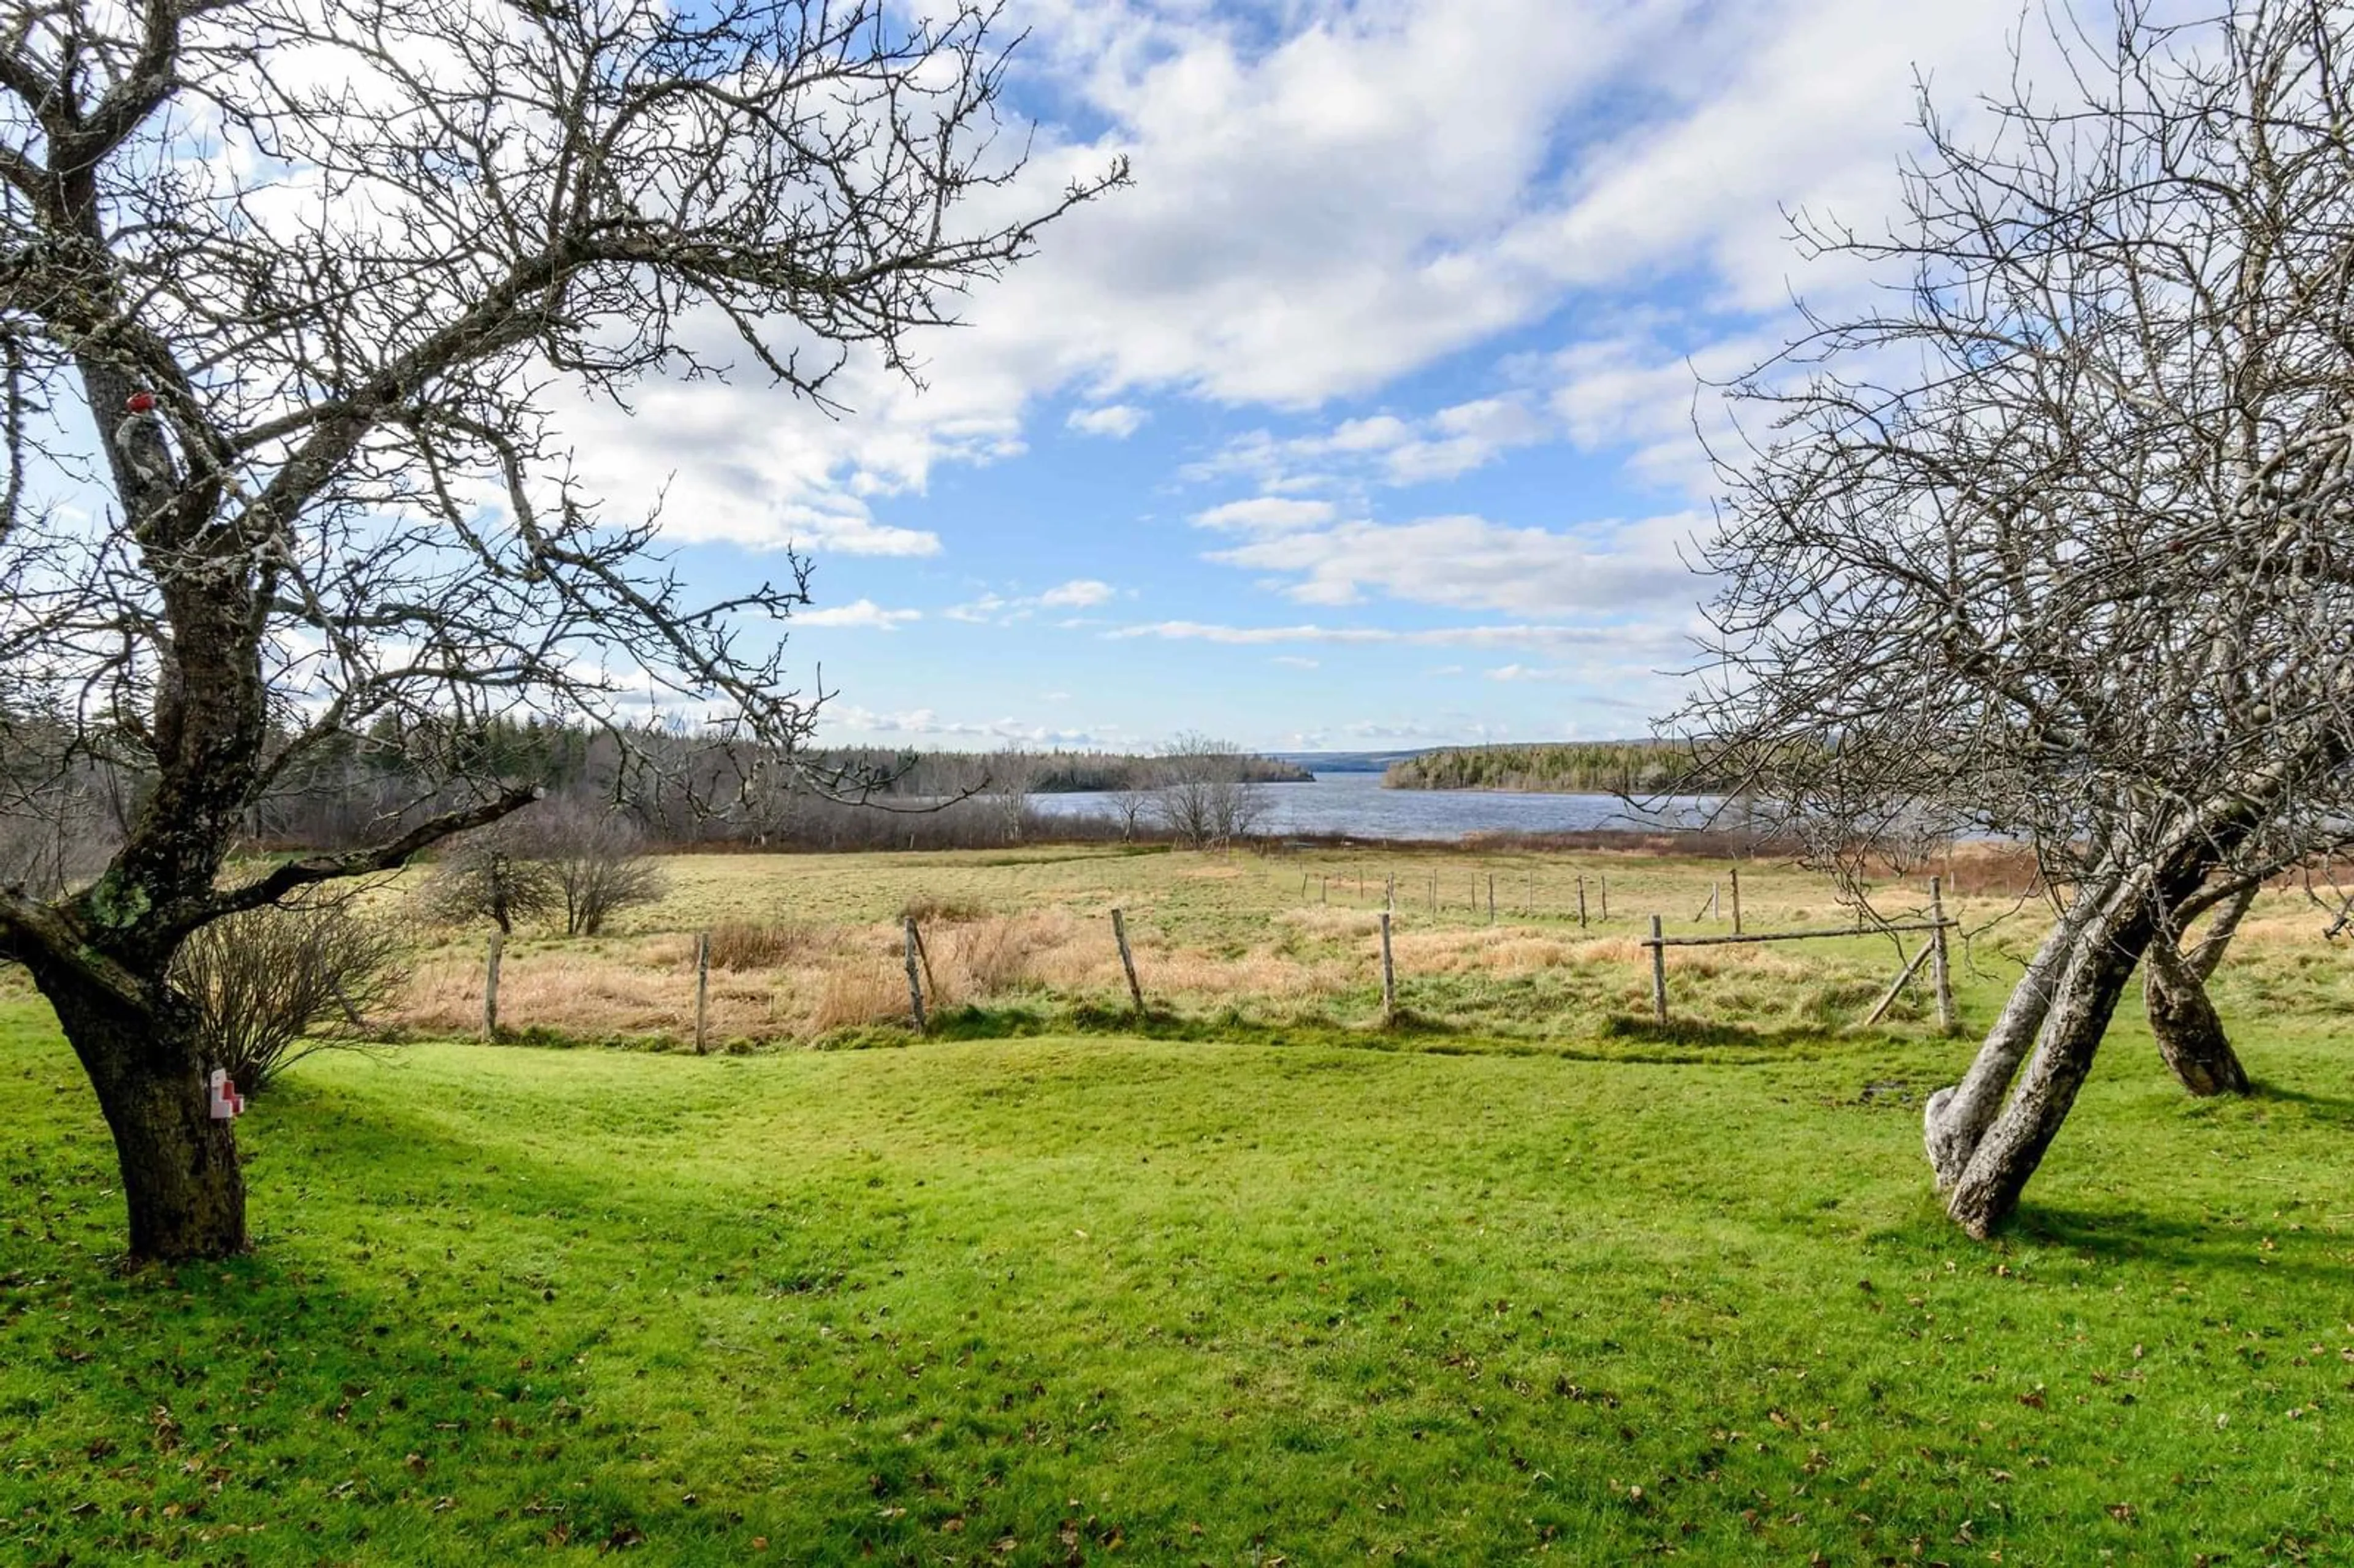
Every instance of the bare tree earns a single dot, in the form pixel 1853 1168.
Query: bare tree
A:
pixel 1011 780
pixel 1132 799
pixel 315 272
pixel 596 859
pixel 58 828
pixel 495 874
pixel 2054 540
pixel 1203 793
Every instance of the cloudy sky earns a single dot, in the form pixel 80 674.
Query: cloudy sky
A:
pixel 1365 418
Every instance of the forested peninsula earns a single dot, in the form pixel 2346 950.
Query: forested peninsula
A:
pixel 1565 768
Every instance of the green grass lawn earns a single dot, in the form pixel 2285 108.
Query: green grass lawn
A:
pixel 1057 1300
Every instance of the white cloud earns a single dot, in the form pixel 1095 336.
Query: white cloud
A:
pixel 1117 420
pixel 1640 641
pixel 858 612
pixel 1318 214
pixel 1293 661
pixel 1470 563
pixel 1002 609
pixel 841 718
pixel 1079 593
pixel 1384 447
pixel 1465 436
pixel 1266 514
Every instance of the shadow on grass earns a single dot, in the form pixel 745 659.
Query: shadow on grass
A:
pixel 1620 1039
pixel 2336 1110
pixel 1811 1039
pixel 2183 1243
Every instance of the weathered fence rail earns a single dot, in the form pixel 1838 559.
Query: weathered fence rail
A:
pixel 1936 925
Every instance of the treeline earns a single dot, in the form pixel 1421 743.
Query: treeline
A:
pixel 63 810
pixel 935 774
pixel 1566 768
pixel 689 791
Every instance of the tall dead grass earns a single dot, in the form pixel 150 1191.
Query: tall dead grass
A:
pixel 1206 935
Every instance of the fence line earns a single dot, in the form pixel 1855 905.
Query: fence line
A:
pixel 923 989
pixel 1937 924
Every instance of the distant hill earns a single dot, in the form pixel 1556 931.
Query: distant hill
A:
pixel 1568 768
pixel 1342 761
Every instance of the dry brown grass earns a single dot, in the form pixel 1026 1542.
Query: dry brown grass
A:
pixel 849 995
pixel 806 945
pixel 762 945
pixel 938 909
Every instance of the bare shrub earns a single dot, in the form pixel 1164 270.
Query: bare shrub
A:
pixel 490 875
pixel 260 980
pixel 597 860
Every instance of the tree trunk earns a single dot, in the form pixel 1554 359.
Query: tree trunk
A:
pixel 2191 1037
pixel 1956 1118
pixel 2101 960
pixel 181 1181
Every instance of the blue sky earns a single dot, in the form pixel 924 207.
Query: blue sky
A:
pixel 1365 418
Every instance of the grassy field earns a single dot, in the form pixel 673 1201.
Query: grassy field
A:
pixel 1508 1287
pixel 810 948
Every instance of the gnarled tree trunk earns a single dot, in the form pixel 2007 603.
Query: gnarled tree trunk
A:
pixel 1957 1117
pixel 2191 1037
pixel 2100 960
pixel 181 1180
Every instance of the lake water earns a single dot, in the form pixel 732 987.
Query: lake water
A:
pixel 1357 805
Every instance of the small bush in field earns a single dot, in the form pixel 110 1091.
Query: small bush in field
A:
pixel 597 860
pixel 262 979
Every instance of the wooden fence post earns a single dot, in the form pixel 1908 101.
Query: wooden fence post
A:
pixel 1939 971
pixel 1434 893
pixel 1324 890
pixel 1389 974
pixel 1491 898
pixel 1736 901
pixel 1606 898
pixel 1531 910
pixel 491 986
pixel 1389 892
pixel 702 987
pixel 1120 935
pixel 1581 901
pixel 914 981
pixel 924 957
pixel 1658 973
